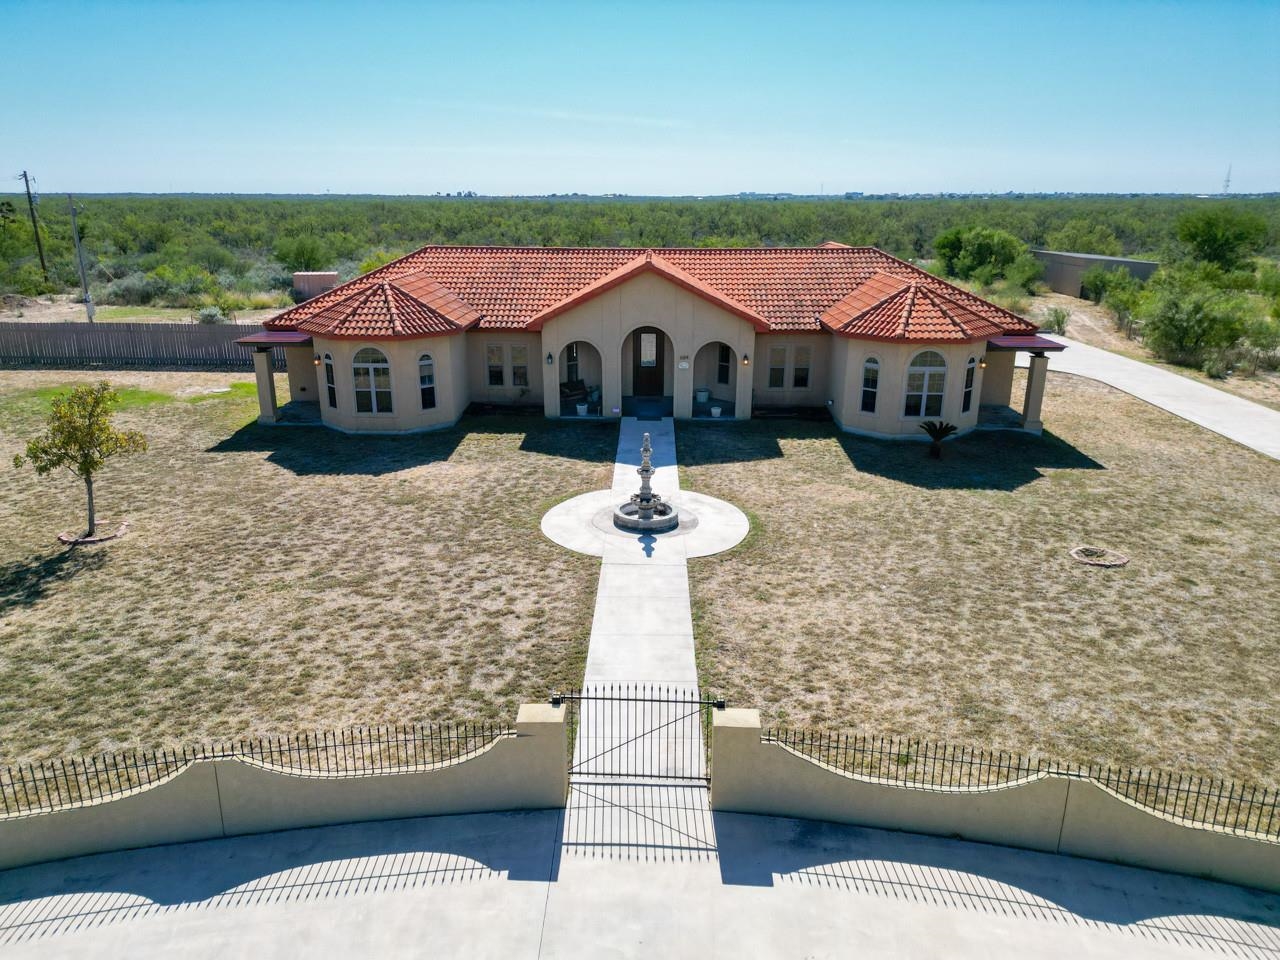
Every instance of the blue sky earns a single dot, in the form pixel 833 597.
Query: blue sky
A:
pixel 654 97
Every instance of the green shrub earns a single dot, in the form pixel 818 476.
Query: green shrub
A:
pixel 1185 320
pixel 210 315
pixel 1025 272
pixel 302 253
pixel 1055 320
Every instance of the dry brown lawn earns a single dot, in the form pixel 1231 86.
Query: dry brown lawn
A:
pixel 281 579
pixel 884 592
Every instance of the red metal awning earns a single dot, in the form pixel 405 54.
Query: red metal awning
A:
pixel 277 338
pixel 1035 342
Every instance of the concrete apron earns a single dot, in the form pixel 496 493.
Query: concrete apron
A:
pixel 641 637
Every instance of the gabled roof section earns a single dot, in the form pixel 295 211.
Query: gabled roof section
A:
pixel 385 310
pixel 649 262
pixel 895 307
pixel 776 289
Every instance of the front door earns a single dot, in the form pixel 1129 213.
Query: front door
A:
pixel 647 366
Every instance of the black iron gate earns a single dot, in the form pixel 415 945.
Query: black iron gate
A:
pixel 639 732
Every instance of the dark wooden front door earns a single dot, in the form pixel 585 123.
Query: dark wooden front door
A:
pixel 647 365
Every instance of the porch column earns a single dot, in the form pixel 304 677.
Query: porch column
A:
pixel 746 376
pixel 267 410
pixel 1035 393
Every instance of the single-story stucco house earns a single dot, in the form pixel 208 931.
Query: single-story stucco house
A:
pixel 607 332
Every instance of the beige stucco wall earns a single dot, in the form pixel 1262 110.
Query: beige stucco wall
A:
pixel 449 354
pixel 1048 813
pixel 819 389
pixel 888 419
pixel 606 322
pixel 219 798
pixel 997 379
pixel 300 362
pixel 478 368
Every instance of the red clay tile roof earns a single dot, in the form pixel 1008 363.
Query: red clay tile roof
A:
pixel 889 307
pixel 778 289
pixel 383 310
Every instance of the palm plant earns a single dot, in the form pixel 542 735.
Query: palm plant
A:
pixel 937 431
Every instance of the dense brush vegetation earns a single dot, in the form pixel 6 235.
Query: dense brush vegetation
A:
pixel 224 253
pixel 176 249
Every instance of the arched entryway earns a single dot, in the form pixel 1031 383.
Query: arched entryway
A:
pixel 715 380
pixel 648 374
pixel 580 380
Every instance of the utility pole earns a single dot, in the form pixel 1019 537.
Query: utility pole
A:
pixel 35 227
pixel 84 279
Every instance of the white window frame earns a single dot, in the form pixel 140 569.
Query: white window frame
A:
pixel 330 381
pixel 770 366
pixel 428 361
pixel 724 364
pixel 371 369
pixel 863 389
pixel 933 384
pixel 572 362
pixel 795 366
pixel 501 365
pixel 970 375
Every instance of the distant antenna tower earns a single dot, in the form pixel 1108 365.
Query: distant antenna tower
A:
pixel 1226 183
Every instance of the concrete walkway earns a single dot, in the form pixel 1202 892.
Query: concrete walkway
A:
pixel 1243 421
pixel 656 645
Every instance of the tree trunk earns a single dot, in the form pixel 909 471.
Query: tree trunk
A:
pixel 93 523
pixel 935 450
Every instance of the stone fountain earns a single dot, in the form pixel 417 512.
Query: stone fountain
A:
pixel 646 512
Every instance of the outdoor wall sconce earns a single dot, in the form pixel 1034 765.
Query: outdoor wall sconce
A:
pixel 746 361
pixel 982 362
pixel 550 360
pixel 316 360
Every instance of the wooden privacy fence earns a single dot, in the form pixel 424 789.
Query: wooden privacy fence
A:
pixel 129 345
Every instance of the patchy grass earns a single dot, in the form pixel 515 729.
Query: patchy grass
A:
pixel 890 593
pixel 277 579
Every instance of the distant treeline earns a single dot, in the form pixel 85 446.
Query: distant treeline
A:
pixel 198 249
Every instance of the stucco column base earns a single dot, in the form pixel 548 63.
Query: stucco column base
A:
pixel 268 412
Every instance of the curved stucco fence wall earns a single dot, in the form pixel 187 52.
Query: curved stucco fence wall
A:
pixel 1050 813
pixel 224 798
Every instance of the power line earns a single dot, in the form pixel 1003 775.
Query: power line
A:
pixel 35 226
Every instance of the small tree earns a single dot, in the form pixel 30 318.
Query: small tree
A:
pixel 81 437
pixel 938 431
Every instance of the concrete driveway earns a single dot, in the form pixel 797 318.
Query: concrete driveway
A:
pixel 649 876
pixel 1243 421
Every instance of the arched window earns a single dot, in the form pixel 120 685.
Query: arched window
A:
pixel 372 377
pixel 870 384
pixel 330 381
pixel 427 381
pixel 970 369
pixel 926 377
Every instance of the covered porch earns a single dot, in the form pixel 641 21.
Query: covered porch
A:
pixel 303 405
pixel 995 411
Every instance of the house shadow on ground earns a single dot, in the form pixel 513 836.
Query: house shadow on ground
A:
pixel 28 580
pixel 982 460
pixel 319 451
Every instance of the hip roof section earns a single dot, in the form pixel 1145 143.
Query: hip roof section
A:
pixel 853 291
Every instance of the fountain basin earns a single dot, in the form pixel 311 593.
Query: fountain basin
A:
pixel 663 517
